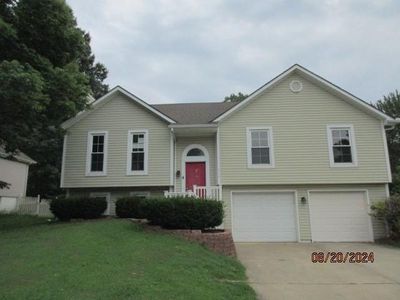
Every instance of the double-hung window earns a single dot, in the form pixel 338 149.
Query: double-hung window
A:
pixel 96 159
pixel 342 148
pixel 137 160
pixel 260 147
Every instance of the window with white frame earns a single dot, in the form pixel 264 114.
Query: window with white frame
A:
pixel 96 160
pixel 259 147
pixel 137 152
pixel 341 145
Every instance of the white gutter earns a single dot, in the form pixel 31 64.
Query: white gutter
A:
pixel 193 125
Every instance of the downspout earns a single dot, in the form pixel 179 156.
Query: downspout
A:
pixel 172 158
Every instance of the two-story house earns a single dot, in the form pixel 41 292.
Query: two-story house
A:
pixel 300 159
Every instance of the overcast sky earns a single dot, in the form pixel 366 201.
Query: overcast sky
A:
pixel 193 50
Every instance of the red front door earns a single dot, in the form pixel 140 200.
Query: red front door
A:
pixel 195 174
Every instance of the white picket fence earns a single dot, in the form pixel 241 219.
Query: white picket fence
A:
pixel 28 206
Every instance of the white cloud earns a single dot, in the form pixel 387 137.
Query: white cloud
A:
pixel 190 50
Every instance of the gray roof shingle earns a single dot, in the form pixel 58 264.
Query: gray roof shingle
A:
pixel 18 156
pixel 194 113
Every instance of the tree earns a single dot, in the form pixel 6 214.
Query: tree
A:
pixel 390 105
pixel 47 70
pixel 235 98
pixel 96 72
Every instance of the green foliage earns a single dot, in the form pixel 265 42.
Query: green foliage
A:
pixel 390 212
pixel 49 27
pixel 47 70
pixel 78 208
pixel 22 100
pixel 183 212
pixel 235 98
pixel 129 207
pixel 390 105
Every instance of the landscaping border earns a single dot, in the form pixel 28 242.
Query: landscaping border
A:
pixel 219 241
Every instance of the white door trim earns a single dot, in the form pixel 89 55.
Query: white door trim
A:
pixel 366 193
pixel 108 197
pixel 270 191
pixel 185 158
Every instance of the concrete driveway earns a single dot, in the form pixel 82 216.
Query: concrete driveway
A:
pixel 285 271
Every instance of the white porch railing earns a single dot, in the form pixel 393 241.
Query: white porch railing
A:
pixel 204 192
pixel 169 194
pixel 209 192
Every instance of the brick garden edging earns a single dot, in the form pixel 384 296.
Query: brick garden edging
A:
pixel 217 241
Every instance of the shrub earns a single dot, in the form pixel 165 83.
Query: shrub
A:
pixel 129 207
pixel 183 213
pixel 390 212
pixel 151 209
pixel 78 208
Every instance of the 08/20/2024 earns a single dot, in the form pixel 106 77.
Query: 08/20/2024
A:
pixel 342 257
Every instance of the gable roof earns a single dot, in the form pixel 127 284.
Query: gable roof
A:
pixel 194 113
pixel 17 156
pixel 214 112
pixel 95 104
pixel 318 80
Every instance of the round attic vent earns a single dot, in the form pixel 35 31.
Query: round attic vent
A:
pixel 296 86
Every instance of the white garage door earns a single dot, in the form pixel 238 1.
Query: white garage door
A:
pixel 339 217
pixel 264 217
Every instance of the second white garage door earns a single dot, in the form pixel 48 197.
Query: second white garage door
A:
pixel 340 217
pixel 264 217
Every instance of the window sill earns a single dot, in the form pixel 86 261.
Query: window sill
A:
pixel 260 166
pixel 343 165
pixel 138 173
pixel 96 174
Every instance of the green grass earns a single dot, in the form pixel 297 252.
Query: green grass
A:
pixel 109 259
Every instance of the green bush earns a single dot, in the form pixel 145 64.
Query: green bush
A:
pixel 78 208
pixel 183 213
pixel 129 207
pixel 151 210
pixel 389 211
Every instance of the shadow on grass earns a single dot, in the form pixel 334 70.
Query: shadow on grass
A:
pixel 15 221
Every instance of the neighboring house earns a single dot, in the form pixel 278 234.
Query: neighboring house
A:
pixel 300 159
pixel 14 170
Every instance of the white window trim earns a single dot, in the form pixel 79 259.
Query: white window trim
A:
pixel 354 162
pixel 89 152
pixel 271 148
pixel 129 152
pixel 108 197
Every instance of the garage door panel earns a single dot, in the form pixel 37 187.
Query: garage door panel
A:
pixel 339 217
pixel 264 216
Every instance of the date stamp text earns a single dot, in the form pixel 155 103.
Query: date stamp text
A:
pixel 343 257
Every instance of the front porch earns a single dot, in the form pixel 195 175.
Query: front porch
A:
pixel 195 162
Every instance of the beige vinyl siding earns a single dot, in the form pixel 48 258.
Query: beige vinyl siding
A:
pixel 207 142
pixel 376 193
pixel 118 116
pixel 299 124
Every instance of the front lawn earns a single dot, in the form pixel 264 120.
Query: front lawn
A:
pixel 109 259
